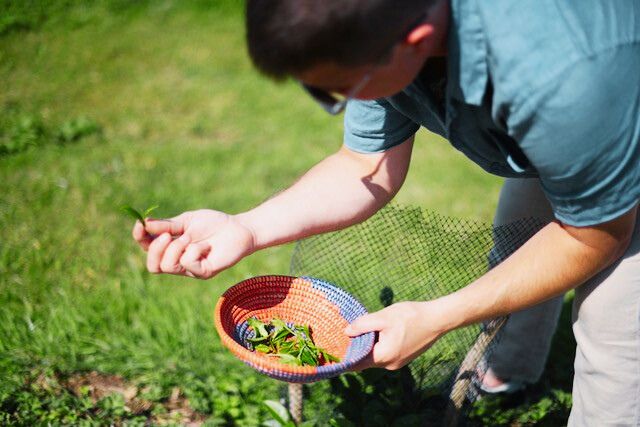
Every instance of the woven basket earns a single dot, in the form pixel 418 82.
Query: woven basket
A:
pixel 304 300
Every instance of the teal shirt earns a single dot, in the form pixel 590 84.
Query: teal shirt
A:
pixel 544 88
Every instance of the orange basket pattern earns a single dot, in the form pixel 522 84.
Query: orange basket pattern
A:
pixel 323 306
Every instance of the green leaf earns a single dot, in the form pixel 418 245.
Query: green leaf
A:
pixel 262 348
pixel 307 357
pixel 288 347
pixel 329 357
pixel 278 323
pixel 277 411
pixel 148 211
pixel 133 213
pixel 306 331
pixel 287 358
pixel 280 335
pixel 292 331
pixel 258 339
pixel 258 326
pixel 292 344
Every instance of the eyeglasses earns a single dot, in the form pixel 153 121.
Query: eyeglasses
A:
pixel 330 102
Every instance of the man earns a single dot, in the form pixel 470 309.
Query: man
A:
pixel 543 92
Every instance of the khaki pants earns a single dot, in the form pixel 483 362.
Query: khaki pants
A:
pixel 606 325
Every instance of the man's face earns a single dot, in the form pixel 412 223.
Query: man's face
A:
pixel 383 80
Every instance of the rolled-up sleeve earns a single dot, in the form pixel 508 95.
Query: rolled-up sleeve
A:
pixel 375 126
pixel 582 133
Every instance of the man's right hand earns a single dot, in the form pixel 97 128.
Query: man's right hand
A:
pixel 196 243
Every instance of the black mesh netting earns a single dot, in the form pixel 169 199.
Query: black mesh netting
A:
pixel 406 253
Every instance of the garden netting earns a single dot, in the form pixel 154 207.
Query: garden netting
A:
pixel 408 254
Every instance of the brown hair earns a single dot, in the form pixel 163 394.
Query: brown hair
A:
pixel 285 37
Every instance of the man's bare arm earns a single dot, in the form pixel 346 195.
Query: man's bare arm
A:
pixel 343 189
pixel 557 259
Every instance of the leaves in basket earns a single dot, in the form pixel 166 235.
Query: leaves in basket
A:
pixel 292 345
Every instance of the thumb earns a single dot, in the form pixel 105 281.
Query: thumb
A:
pixel 366 323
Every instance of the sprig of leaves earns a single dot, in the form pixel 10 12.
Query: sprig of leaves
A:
pixel 291 344
pixel 140 216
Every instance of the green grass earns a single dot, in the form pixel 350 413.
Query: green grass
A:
pixel 112 103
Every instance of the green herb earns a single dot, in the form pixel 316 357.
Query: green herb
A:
pixel 290 344
pixel 137 214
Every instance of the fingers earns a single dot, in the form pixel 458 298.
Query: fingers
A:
pixel 386 353
pixel 164 254
pixel 377 358
pixel 207 258
pixel 179 256
pixel 363 324
pixel 386 350
pixel 156 251
pixel 141 236
pixel 365 363
pixel 367 323
pixel 174 226
pixel 144 235
pixel 170 262
pixel 382 355
pixel 196 260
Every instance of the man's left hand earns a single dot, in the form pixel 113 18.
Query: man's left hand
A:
pixel 405 330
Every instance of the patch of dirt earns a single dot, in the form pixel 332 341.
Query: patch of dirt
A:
pixel 98 386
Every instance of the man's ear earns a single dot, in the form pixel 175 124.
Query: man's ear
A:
pixel 420 35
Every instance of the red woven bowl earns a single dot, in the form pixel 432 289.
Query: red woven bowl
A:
pixel 326 308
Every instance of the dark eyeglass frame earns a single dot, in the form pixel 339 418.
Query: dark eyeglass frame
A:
pixel 333 105
pixel 329 102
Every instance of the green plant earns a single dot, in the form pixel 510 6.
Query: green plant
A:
pixel 280 414
pixel 20 130
pixel 541 407
pixel 26 131
pixel 291 344
pixel 75 129
pixel 140 216
pixel 341 422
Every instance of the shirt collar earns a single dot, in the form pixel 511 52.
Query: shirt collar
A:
pixel 468 50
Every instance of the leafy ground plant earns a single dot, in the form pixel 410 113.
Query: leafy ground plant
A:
pixel 291 344
pixel 136 214
pixel 77 128
pixel 22 130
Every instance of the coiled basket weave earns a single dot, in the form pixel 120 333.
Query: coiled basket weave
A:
pixel 323 306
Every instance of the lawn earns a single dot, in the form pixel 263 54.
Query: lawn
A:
pixel 111 103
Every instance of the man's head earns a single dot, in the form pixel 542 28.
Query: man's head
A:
pixel 336 44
